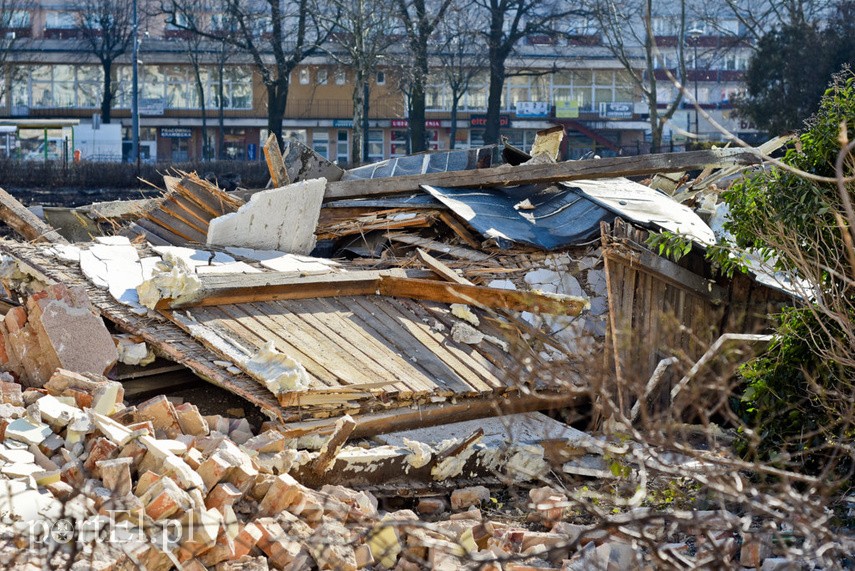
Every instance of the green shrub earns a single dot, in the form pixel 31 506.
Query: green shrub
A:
pixel 799 395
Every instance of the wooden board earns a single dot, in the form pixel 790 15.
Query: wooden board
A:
pixel 506 175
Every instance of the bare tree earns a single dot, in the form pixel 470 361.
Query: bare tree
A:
pixel 632 41
pixel 360 34
pixel 14 18
pixel 508 22
pixel 106 28
pixel 420 19
pixel 460 56
pixel 276 34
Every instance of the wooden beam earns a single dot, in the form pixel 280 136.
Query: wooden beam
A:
pixel 445 413
pixel 275 162
pixel 542 173
pixel 24 222
pixel 246 288
pixel 441 269
pixel 442 247
pixel 479 296
pixel 666 270
pixel 229 289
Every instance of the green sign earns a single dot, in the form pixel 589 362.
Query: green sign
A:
pixel 566 109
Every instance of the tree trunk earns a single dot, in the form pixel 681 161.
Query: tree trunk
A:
pixel 455 98
pixel 418 141
pixel 277 97
pixel 107 96
pixel 494 103
pixel 358 109
pixel 200 90
pixel 222 113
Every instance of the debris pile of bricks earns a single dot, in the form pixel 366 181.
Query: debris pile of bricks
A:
pixel 180 488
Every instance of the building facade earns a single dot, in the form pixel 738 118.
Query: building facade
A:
pixel 575 81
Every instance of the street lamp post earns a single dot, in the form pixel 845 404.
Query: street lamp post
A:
pixel 135 104
pixel 695 34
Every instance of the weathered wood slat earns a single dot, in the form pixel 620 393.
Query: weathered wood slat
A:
pixel 550 172
pixel 24 222
pixel 235 319
pixel 444 292
pixel 474 375
pixel 441 372
pixel 378 358
pixel 275 162
pixel 381 350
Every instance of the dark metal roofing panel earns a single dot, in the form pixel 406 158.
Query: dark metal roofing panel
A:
pixel 548 217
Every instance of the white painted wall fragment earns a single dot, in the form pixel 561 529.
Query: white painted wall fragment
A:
pixel 281 219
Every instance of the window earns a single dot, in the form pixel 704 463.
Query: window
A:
pixel 342 155
pixel 19 19
pixel 375 145
pixel 304 76
pixel 321 143
pixel 340 77
pixel 399 144
pixel 381 78
pixel 60 21
pixel 89 86
pixel 52 86
pixel 322 76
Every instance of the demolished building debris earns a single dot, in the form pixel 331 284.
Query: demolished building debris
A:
pixel 401 325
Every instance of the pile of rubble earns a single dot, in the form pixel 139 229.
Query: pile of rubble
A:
pixel 396 332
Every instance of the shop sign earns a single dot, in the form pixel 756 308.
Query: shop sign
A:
pixel 533 109
pixel 616 110
pixel 176 132
pixel 151 105
pixel 344 123
pixel 477 120
pixel 566 109
pixel 433 123
pixel 402 123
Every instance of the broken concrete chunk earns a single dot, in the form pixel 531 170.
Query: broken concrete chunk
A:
pixel 28 432
pixel 70 334
pixel 465 333
pixel 171 279
pixel 132 352
pixel 277 371
pixel 463 312
pixel 467 497
pixel 281 219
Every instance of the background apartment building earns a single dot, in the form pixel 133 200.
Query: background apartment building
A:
pixel 51 78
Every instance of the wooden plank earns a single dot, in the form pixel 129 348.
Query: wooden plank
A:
pixel 24 222
pixel 163 234
pixel 434 246
pixel 406 419
pixel 275 162
pixel 383 351
pixel 263 329
pixel 176 226
pixel 289 326
pixel 305 311
pixel 669 271
pixel 462 232
pixel 441 269
pixel 409 341
pixel 474 375
pixel 270 286
pixel 470 355
pixel 445 292
pixel 205 195
pixel 542 173
pixel 378 357
pixel 220 289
